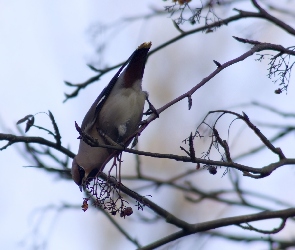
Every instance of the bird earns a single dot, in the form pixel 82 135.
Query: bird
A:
pixel 115 114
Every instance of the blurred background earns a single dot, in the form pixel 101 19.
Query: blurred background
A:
pixel 44 43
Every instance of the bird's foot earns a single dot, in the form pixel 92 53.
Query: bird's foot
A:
pixel 151 109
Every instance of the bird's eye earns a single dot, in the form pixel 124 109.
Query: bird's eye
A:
pixel 81 173
pixel 92 174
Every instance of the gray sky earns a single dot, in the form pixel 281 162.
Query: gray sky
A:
pixel 44 44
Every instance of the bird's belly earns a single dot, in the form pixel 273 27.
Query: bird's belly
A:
pixel 121 117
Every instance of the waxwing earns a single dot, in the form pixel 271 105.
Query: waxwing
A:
pixel 116 112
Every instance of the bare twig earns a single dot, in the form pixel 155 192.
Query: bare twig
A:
pixel 242 14
pixel 33 139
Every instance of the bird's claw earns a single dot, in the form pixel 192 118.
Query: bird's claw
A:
pixel 151 109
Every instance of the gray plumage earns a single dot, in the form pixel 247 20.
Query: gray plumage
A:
pixel 116 112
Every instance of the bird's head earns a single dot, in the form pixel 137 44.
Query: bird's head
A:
pixel 80 176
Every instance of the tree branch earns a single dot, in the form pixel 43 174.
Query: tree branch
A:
pixel 33 139
pixel 205 226
pixel 242 14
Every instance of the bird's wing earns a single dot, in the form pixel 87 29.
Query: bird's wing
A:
pixel 93 113
pixel 107 90
pixel 91 116
pixel 101 99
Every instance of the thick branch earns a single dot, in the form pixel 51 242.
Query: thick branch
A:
pixel 170 218
pixel 248 171
pixel 205 226
pixel 274 20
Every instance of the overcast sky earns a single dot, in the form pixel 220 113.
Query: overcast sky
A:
pixel 45 43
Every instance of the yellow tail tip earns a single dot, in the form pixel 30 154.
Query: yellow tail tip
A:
pixel 145 45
